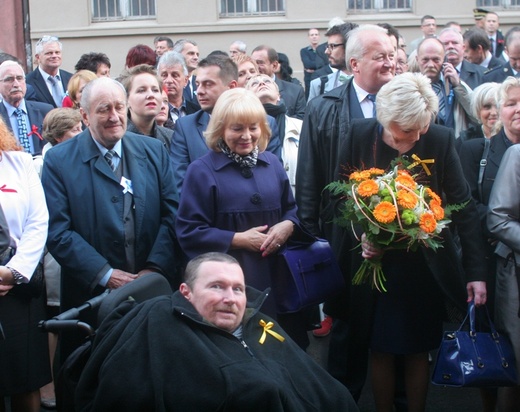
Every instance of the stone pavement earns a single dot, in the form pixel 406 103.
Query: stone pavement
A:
pixel 440 399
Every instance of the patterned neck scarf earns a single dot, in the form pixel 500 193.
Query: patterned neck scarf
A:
pixel 247 161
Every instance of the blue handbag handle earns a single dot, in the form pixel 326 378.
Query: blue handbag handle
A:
pixel 471 316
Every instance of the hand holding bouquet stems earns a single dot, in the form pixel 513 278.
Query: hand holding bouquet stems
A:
pixel 394 211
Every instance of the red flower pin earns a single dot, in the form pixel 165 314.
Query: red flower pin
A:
pixel 35 132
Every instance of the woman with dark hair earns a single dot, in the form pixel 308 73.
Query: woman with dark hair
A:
pixel 140 54
pixel 24 356
pixel 144 90
pixel 98 63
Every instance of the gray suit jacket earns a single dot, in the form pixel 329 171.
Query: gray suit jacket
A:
pixel 471 74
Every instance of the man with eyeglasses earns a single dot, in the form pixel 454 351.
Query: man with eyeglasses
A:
pixel 428 27
pixel 337 73
pixel 371 59
pixel 23 117
pixel 48 80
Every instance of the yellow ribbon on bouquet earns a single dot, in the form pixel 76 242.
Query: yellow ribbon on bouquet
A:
pixel 423 163
pixel 267 330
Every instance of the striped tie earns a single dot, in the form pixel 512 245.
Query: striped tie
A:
pixel 22 131
pixel 108 157
pixel 372 98
pixel 437 88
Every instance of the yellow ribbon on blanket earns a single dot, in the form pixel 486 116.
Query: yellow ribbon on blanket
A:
pixel 423 163
pixel 267 330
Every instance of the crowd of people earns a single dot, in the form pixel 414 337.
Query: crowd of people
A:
pixel 220 162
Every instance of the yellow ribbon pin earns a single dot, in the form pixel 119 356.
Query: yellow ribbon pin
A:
pixel 267 330
pixel 423 163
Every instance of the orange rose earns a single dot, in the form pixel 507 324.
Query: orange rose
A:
pixel 385 212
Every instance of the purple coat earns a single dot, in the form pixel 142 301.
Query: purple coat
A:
pixel 217 201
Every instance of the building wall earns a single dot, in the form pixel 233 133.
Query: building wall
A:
pixel 199 20
pixel 12 39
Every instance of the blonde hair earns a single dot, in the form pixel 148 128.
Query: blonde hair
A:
pixel 238 59
pixel 504 89
pixel 74 82
pixel 484 93
pixel 237 105
pixel 407 100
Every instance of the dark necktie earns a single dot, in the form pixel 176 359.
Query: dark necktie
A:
pixel 56 90
pixel 372 98
pixel 492 43
pixel 22 131
pixel 437 88
pixel 108 157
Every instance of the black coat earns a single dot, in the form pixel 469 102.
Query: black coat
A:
pixel 470 155
pixel 325 126
pixel 162 356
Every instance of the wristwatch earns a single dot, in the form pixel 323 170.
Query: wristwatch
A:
pixel 18 278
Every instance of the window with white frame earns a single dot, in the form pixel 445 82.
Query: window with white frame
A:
pixel 244 8
pixel 499 4
pixel 108 10
pixel 364 6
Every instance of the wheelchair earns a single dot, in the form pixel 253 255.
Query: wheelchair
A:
pixel 143 288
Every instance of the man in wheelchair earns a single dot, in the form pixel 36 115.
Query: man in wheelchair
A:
pixel 204 348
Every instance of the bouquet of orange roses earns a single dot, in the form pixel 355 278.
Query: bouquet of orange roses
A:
pixel 394 211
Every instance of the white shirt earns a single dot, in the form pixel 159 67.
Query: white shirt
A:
pixel 25 209
pixel 367 106
pixel 49 84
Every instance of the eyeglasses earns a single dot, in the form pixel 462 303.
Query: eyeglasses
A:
pixel 11 79
pixel 47 39
pixel 332 46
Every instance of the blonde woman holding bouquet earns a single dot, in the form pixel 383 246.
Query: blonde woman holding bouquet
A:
pixel 406 319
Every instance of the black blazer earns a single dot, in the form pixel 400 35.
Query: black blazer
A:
pixel 36 80
pixel 36 112
pixel 293 96
pixel 500 44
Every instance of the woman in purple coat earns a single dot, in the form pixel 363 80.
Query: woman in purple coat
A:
pixel 237 199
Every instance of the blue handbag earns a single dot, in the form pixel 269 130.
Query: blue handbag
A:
pixel 475 359
pixel 306 274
